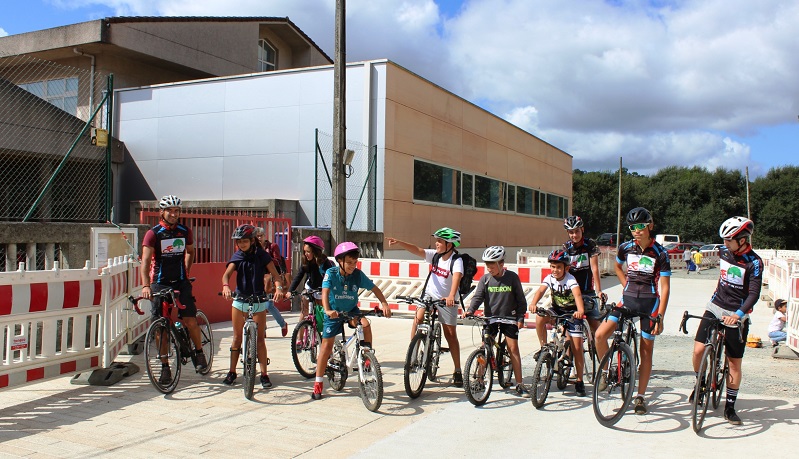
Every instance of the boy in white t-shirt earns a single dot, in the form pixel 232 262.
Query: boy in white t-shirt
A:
pixel 442 284
pixel 776 332
pixel 566 297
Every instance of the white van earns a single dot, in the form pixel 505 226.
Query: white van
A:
pixel 664 239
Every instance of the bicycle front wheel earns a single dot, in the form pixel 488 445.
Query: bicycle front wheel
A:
pixel 207 338
pixel 721 371
pixel 415 371
pixel 542 378
pixel 162 356
pixel 478 377
pixel 505 367
pixel 305 341
pixel 371 381
pixel 702 389
pixel 565 366
pixel 249 358
pixel 589 360
pixel 614 384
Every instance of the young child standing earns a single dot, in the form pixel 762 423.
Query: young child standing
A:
pixel 251 264
pixel 566 297
pixel 340 294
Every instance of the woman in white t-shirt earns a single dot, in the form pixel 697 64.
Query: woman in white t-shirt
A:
pixel 776 332
pixel 443 281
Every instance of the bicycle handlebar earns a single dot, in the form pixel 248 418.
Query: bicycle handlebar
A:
pixel 254 298
pixel 306 293
pixel 546 312
pixel 714 321
pixel 427 302
pixel 163 294
pixel 373 312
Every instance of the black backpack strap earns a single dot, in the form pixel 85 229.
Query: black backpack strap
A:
pixel 452 265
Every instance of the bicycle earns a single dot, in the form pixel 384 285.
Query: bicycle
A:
pixel 306 337
pixel 555 357
pixel 362 360
pixel 713 370
pixel 249 344
pixel 619 369
pixel 424 351
pixel 167 344
pixel 478 373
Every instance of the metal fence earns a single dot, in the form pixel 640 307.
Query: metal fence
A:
pixel 361 185
pixel 50 170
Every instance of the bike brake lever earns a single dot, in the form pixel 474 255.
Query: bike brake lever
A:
pixel 135 302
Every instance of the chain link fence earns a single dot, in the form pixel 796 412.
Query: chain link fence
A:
pixel 361 185
pixel 49 168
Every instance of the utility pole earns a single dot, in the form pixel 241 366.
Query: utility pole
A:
pixel 339 217
pixel 618 217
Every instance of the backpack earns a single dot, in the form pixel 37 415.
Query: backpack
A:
pixel 469 271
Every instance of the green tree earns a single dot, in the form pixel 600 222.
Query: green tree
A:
pixel 775 209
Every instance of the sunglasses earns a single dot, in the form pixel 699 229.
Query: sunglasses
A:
pixel 638 226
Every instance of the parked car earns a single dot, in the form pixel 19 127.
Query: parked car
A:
pixel 710 248
pixel 607 239
pixel 680 247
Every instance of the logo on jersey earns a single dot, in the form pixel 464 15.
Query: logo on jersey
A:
pixel 641 263
pixel 173 246
pixel 579 261
pixel 500 289
pixel 732 274
pixel 439 271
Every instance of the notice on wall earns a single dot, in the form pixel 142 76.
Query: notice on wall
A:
pixel 109 242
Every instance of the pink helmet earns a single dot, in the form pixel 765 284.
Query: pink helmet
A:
pixel 346 248
pixel 315 241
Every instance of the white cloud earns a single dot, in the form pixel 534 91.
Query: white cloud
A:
pixel 3 33
pixel 661 83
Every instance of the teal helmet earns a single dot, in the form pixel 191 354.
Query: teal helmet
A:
pixel 449 235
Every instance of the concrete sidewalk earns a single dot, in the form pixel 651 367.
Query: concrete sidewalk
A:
pixel 204 417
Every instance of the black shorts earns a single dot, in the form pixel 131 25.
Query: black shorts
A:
pixel 185 298
pixel 643 305
pixel 509 330
pixel 735 348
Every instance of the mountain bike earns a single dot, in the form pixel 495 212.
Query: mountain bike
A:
pixel 306 338
pixel 617 370
pixel 249 344
pixel 478 373
pixel 424 351
pixel 555 358
pixel 713 370
pixel 167 344
pixel 362 359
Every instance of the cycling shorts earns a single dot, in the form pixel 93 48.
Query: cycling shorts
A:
pixel 735 348
pixel 591 304
pixel 574 327
pixel 511 331
pixel 185 297
pixel 642 305
pixel 245 306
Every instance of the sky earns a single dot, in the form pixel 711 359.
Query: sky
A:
pixel 709 83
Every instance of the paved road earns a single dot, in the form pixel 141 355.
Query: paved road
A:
pixel 204 417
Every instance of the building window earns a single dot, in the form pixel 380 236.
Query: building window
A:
pixel 510 201
pixel 489 193
pixel 63 93
pixel 436 183
pixel 267 56
pixel 524 200
pixel 467 194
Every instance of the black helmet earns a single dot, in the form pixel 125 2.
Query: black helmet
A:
pixel 244 232
pixel 638 215
pixel 573 222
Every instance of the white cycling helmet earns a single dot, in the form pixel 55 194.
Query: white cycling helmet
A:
pixel 169 201
pixel 736 227
pixel 494 253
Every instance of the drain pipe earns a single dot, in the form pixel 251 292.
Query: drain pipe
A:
pixel 91 79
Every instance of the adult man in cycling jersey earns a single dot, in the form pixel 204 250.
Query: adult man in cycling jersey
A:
pixel 171 244
pixel 738 289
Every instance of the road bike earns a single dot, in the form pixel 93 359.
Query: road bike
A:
pixel 167 345
pixel 362 360
pixel 424 351
pixel 478 373
pixel 713 369
pixel 618 368
pixel 306 338
pixel 555 358
pixel 249 344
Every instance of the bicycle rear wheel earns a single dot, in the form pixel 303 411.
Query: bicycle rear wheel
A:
pixel 702 389
pixel 371 381
pixel 505 367
pixel 162 356
pixel 478 377
pixel 721 371
pixel 415 372
pixel 305 341
pixel 337 366
pixel 207 338
pixel 435 354
pixel 542 378
pixel 612 401
pixel 249 358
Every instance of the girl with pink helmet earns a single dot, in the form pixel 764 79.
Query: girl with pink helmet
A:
pixel 314 264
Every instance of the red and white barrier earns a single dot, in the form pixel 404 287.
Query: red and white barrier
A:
pixel 58 321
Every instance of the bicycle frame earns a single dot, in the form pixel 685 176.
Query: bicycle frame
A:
pixel 429 323
pixel 357 336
